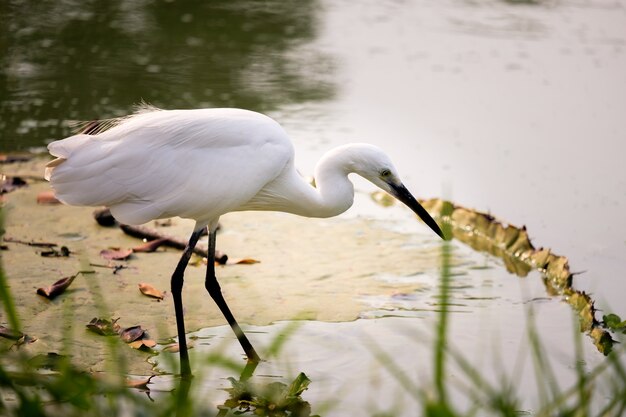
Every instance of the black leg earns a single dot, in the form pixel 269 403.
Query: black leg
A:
pixel 177 288
pixel 213 287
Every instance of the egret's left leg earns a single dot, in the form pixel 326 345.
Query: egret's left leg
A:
pixel 177 288
pixel 213 287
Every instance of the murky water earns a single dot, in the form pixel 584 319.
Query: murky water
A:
pixel 516 109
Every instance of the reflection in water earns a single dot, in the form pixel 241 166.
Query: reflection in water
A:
pixel 84 60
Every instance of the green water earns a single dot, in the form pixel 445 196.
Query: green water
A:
pixel 83 60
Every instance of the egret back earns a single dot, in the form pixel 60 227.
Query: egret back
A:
pixel 197 164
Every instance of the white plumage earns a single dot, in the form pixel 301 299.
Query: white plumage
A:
pixel 195 164
pixel 203 163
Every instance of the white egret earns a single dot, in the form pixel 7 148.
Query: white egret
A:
pixel 200 164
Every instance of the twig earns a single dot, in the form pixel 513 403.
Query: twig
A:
pixel 31 243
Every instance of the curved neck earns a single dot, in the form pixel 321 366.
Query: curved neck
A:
pixel 289 192
pixel 334 190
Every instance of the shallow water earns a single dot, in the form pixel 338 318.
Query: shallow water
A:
pixel 515 109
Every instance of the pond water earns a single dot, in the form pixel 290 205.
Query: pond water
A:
pixel 512 108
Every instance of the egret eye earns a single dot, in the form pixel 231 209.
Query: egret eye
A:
pixel 385 173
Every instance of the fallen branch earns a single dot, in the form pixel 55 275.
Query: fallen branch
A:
pixel 143 232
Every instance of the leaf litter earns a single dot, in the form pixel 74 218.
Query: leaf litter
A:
pixel 47 197
pixel 140 384
pixel 135 336
pixel 151 245
pixel 116 254
pixel 19 337
pixel 150 291
pixel 57 288
pixel 104 327
pixel 131 334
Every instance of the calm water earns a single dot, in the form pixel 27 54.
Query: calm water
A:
pixel 84 60
pixel 506 107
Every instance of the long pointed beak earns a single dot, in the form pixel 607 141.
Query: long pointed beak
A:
pixel 401 193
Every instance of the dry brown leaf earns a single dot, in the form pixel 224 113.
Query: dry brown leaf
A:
pixel 103 326
pixel 25 340
pixel 57 288
pixel 47 197
pixel 132 333
pixel 225 260
pixel 174 348
pixel 242 261
pixel 116 254
pixel 150 246
pixel 139 383
pixel 140 344
pixel 150 291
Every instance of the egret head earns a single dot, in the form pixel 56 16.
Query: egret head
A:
pixel 375 166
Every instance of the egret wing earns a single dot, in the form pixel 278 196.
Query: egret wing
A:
pixel 190 163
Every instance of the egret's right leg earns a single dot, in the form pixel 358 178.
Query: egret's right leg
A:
pixel 213 287
pixel 177 289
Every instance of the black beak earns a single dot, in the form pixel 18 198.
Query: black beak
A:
pixel 401 193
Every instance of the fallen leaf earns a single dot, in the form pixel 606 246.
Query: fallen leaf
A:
pixel 25 340
pixel 116 254
pixel 225 260
pixel 104 327
pixel 132 333
pixel 141 343
pixel 139 383
pixel 150 246
pixel 47 197
pixel 20 338
pixel 150 291
pixel 57 288
pixel 242 261
pixel 174 348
